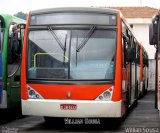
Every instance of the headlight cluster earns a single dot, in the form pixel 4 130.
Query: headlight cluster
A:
pixel 32 94
pixel 106 95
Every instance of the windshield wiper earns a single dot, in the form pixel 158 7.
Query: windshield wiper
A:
pixel 58 41
pixel 64 48
pixel 88 35
pixel 56 38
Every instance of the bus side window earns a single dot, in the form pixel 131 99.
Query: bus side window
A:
pixel 138 54
pixel 124 42
pixel 134 48
pixel 123 54
pixel 129 52
pixel 129 37
pixel 125 46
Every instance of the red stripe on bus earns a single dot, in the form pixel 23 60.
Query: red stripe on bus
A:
pixel 118 68
pixel 76 92
pixel 23 64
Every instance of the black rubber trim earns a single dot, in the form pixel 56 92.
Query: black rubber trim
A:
pixel 69 82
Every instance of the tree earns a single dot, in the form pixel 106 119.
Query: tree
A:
pixel 21 15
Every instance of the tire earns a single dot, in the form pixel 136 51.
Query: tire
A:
pixel 123 118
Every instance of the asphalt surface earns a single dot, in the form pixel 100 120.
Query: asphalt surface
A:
pixel 141 119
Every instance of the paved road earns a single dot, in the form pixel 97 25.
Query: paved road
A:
pixel 144 119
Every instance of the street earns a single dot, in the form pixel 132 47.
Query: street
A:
pixel 143 118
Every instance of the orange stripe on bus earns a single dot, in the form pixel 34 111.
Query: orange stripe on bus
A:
pixel 23 64
pixel 77 92
pixel 118 68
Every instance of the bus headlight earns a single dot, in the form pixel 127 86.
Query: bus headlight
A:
pixel 32 94
pixel 106 95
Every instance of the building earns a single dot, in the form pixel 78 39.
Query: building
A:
pixel 140 18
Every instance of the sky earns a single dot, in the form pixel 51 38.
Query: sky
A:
pixel 14 6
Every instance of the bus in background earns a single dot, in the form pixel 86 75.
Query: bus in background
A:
pixel 154 38
pixel 11 40
pixel 143 71
pixel 79 62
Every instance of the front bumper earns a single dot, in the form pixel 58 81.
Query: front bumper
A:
pixel 85 108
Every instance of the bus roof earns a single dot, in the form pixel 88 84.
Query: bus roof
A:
pixel 9 18
pixel 75 9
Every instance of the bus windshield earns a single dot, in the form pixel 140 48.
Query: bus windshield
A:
pixel 71 54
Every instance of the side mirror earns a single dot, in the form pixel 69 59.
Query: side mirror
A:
pixel 153 31
pixel 130 55
pixel 126 39
pixel 18 27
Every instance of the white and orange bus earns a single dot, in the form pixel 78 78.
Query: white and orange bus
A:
pixel 144 64
pixel 79 62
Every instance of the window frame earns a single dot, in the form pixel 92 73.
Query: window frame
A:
pixel 32 28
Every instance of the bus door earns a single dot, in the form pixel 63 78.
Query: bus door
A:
pixel 132 68
pixel 137 60
pixel 136 67
pixel 13 64
pixel 129 64
pixel 1 41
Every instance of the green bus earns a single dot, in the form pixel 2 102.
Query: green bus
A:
pixel 11 40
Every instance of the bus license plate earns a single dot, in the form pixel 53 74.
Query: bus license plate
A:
pixel 68 107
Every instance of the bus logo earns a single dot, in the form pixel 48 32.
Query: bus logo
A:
pixel 68 94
